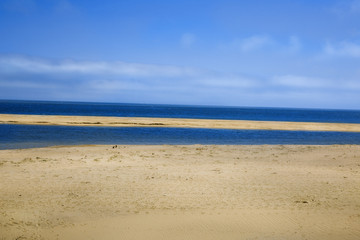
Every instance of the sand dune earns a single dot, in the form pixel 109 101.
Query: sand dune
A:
pixel 173 122
pixel 180 192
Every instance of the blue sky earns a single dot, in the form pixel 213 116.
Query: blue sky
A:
pixel 240 53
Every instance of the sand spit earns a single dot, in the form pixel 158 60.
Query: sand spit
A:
pixel 180 192
pixel 173 122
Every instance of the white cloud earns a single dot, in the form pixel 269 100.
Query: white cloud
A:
pixel 114 75
pixel 300 81
pixel 122 75
pixel 346 49
pixel 23 64
pixel 265 42
pixel 236 82
pixel 26 84
pixel 23 77
pixel 187 40
pixel 305 82
pixel 253 43
pixel 261 43
pixel 115 85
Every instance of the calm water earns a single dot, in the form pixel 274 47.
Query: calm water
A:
pixel 25 136
pixel 175 111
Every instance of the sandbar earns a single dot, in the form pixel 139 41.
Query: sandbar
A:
pixel 174 122
pixel 181 192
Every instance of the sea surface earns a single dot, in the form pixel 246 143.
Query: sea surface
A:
pixel 29 136
pixel 177 111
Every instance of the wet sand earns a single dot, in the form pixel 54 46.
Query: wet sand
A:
pixel 181 192
pixel 173 122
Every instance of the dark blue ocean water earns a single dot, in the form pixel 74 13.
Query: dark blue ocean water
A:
pixel 176 111
pixel 28 136
pixel 23 136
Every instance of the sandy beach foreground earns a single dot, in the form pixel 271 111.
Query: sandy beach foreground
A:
pixel 173 122
pixel 180 192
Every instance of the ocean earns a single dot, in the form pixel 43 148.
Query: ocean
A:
pixel 178 111
pixel 26 136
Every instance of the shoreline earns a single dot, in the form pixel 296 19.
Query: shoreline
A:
pixel 174 123
pixel 181 192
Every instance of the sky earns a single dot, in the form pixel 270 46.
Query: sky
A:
pixel 303 54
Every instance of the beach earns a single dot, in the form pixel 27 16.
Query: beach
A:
pixel 174 122
pixel 181 192
pixel 179 120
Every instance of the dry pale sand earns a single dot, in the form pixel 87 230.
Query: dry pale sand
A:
pixel 173 122
pixel 180 192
